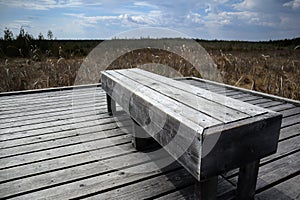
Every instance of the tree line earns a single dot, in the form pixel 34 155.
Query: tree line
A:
pixel 9 36
pixel 26 46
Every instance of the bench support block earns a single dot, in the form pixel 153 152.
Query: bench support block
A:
pixel 247 181
pixel 206 189
pixel 140 137
pixel 111 105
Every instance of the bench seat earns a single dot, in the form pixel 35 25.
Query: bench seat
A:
pixel 207 133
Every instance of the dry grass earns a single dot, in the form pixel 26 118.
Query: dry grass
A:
pixel 24 74
pixel 273 72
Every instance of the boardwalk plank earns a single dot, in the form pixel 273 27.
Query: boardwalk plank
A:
pixel 100 182
pixel 52 100
pixel 62 163
pixel 287 190
pixel 47 152
pixel 75 173
pixel 62 151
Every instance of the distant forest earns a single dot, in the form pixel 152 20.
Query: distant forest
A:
pixel 26 46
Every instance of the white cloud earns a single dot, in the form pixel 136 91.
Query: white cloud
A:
pixel 217 19
pixel 144 4
pixel 246 5
pixel 153 18
pixel 46 4
pixel 22 21
pixel 266 6
pixel 194 17
pixel 295 4
pixel 222 18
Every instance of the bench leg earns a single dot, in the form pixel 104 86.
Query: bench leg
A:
pixel 206 189
pixel 140 137
pixel 247 181
pixel 111 105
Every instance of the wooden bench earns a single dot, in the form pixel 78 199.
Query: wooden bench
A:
pixel 207 133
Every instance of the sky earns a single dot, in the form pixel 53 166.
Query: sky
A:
pixel 252 20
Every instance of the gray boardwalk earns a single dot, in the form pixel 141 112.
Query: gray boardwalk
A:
pixel 62 144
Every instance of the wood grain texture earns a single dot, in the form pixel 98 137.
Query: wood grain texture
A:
pixel 239 143
pixel 218 111
pixel 58 167
pixel 172 129
pixel 248 129
pixel 214 97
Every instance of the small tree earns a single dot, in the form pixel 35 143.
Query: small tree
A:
pixel 50 35
pixel 24 42
pixel 40 36
pixel 21 35
pixel 8 34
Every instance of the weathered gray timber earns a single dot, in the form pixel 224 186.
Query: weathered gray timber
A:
pixel 206 132
pixel 85 153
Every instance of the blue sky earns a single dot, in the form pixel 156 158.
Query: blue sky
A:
pixel 210 19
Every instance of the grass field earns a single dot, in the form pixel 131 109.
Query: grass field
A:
pixel 269 70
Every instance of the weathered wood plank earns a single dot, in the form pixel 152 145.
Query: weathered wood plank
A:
pixel 103 167
pixel 59 114
pixel 218 111
pixel 229 92
pixel 290 112
pixel 45 101
pixel 291 120
pixel 271 104
pixel 246 98
pixel 147 188
pixel 56 129
pixel 104 182
pixel 46 119
pixel 189 192
pixel 242 96
pixel 268 124
pixel 203 85
pixel 180 194
pixel 56 143
pixel 83 159
pixel 290 131
pixel 288 190
pixel 283 107
pixel 221 99
pixel 166 104
pixel 269 96
pixel 62 151
pixel 264 132
pixel 84 128
pixel 274 172
pixel 48 106
pixel 285 147
pixel 61 163
pixel 170 121
pixel 30 127
pixel 259 101
pixel 26 94
pixel 49 110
